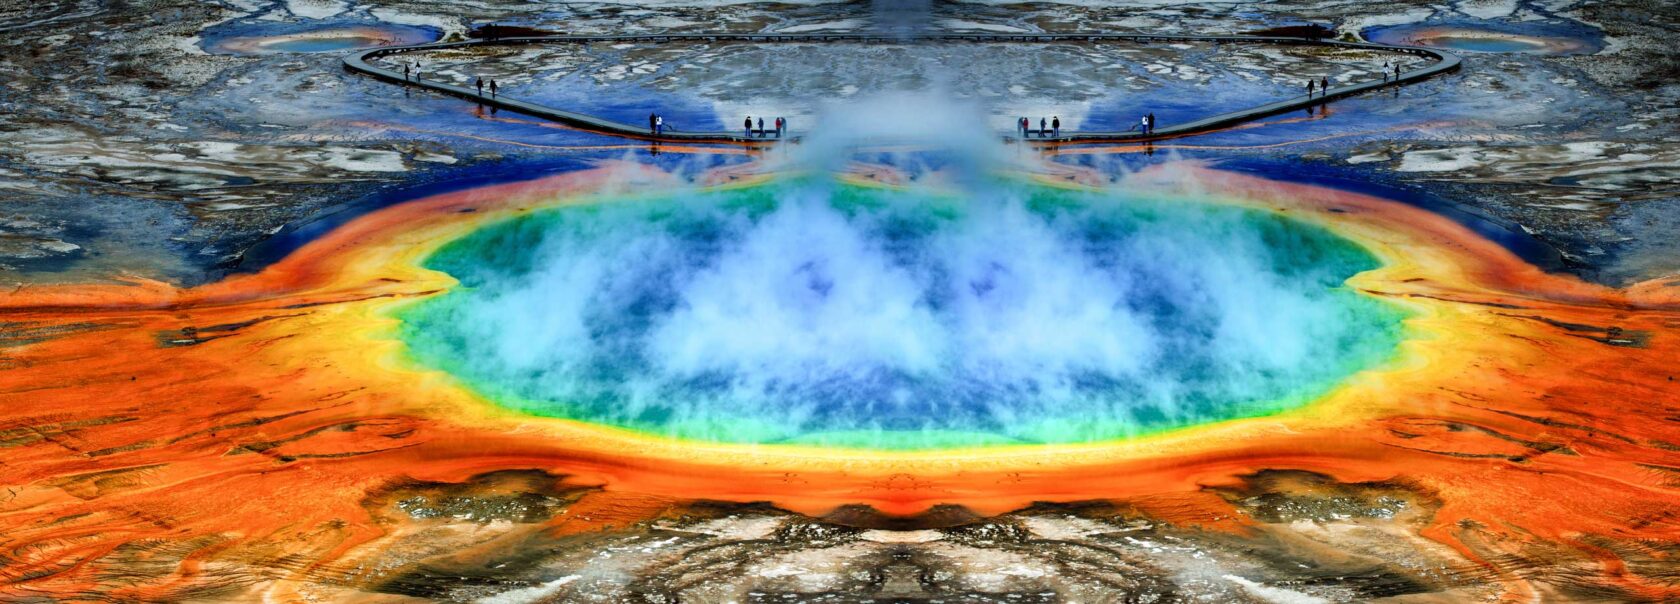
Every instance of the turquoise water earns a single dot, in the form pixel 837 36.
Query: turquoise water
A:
pixel 824 313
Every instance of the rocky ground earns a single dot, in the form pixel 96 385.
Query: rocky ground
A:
pixel 1297 537
pixel 130 150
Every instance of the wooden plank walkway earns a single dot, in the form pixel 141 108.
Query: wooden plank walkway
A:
pixel 359 62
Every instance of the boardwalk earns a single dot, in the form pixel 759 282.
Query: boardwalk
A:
pixel 1443 62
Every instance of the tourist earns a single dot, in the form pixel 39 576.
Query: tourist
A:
pixel 480 83
pixel 1021 124
pixel 761 133
pixel 1310 84
pixel 1396 72
pixel 1143 124
pixel 653 123
pixel 659 125
pixel 492 88
pixel 1324 85
pixel 416 71
pixel 781 126
pixel 1041 128
pixel 1152 122
pixel 1056 125
pixel 405 72
pixel 748 124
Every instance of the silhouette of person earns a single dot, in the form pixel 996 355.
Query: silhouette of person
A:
pixel 1056 125
pixel 748 125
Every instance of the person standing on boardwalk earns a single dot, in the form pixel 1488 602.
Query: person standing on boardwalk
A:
pixel 480 83
pixel 1143 124
pixel 1396 72
pixel 1151 122
pixel 761 126
pixel 1056 125
pixel 492 88
pixel 659 125
pixel 405 72
pixel 653 123
pixel 1042 128
pixel 1310 84
pixel 1324 86
pixel 748 125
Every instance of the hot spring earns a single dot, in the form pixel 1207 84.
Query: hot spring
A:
pixel 817 311
pixel 273 38
pixel 1552 38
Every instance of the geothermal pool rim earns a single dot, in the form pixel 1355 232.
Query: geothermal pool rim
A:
pixel 1445 62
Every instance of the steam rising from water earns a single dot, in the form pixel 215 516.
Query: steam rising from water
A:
pixel 812 311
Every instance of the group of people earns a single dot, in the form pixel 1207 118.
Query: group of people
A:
pixel 1323 86
pixel 1395 67
pixel 480 84
pixel 1052 127
pixel 656 124
pixel 1045 129
pixel 780 123
pixel 411 73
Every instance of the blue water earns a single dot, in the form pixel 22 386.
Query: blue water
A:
pixel 814 312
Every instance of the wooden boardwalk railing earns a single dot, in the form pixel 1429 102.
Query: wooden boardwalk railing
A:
pixel 359 62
